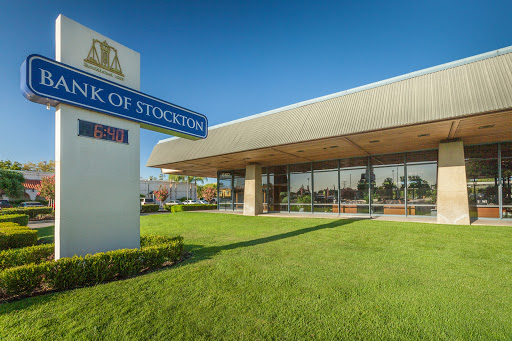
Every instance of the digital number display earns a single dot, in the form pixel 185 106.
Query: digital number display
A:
pixel 102 132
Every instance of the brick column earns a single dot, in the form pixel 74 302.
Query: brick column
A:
pixel 452 193
pixel 253 195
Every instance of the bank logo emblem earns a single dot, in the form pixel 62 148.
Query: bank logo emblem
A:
pixel 103 62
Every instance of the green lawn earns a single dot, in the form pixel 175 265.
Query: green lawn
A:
pixel 258 278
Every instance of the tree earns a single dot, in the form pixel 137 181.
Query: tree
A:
pixel 5 164
pixel 162 193
pixel 47 187
pixel 200 189
pixel 175 179
pixel 16 165
pixel 209 193
pixel 195 179
pixel 12 183
pixel 44 166
pixel 29 166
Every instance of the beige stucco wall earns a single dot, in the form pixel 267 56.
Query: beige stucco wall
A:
pixel 253 195
pixel 452 195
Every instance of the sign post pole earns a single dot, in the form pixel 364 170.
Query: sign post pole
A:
pixel 96 182
pixel 94 85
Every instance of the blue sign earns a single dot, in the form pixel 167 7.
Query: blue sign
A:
pixel 46 81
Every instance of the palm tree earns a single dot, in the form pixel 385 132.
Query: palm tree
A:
pixel 175 179
pixel 195 179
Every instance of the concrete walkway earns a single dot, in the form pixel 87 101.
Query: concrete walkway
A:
pixel 40 223
pixel 414 219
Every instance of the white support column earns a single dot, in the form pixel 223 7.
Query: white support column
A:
pixel 253 195
pixel 452 193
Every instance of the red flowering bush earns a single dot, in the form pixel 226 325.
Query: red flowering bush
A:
pixel 47 187
pixel 162 193
pixel 209 193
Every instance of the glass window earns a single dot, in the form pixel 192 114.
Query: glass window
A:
pixel 421 188
pixel 325 176
pixel 264 188
pixel 482 180
pixel 354 186
pixel 388 184
pixel 278 189
pixel 225 182
pixel 506 179
pixel 239 186
pixel 300 187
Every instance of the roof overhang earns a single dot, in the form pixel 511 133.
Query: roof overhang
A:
pixel 411 112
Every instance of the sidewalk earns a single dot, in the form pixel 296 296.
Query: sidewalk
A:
pixel 40 223
pixel 415 219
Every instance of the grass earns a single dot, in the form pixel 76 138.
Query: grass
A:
pixel 258 278
pixel 46 234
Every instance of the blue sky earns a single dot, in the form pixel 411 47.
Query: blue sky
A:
pixel 231 59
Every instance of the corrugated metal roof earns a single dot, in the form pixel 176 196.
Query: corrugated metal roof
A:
pixel 473 85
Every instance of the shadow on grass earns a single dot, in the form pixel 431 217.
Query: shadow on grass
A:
pixel 200 252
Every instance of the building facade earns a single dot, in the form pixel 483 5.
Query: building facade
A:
pixel 433 143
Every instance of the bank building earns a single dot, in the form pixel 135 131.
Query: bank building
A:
pixel 435 143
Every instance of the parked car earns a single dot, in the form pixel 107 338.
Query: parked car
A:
pixel 5 204
pixel 147 201
pixel 27 204
pixel 191 202
pixel 174 202
pixel 203 202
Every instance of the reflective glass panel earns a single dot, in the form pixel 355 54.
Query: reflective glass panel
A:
pixel 225 183
pixel 421 188
pixel 325 176
pixel 300 188
pixel 264 188
pixel 482 180
pixel 506 179
pixel 239 187
pixel 278 189
pixel 388 184
pixel 354 188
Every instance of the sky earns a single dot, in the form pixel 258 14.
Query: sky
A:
pixel 232 59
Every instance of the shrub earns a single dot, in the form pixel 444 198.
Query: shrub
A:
pixel 67 273
pixel 32 212
pixel 13 237
pixel 181 208
pixel 149 208
pixel 22 280
pixel 32 254
pixel 20 219
pixel 150 240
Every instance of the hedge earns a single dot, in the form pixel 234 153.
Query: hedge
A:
pixel 13 236
pixel 27 255
pixel 68 273
pixel 20 219
pixel 182 208
pixel 149 208
pixel 41 253
pixel 32 212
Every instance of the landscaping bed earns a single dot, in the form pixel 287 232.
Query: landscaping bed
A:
pixel 32 270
